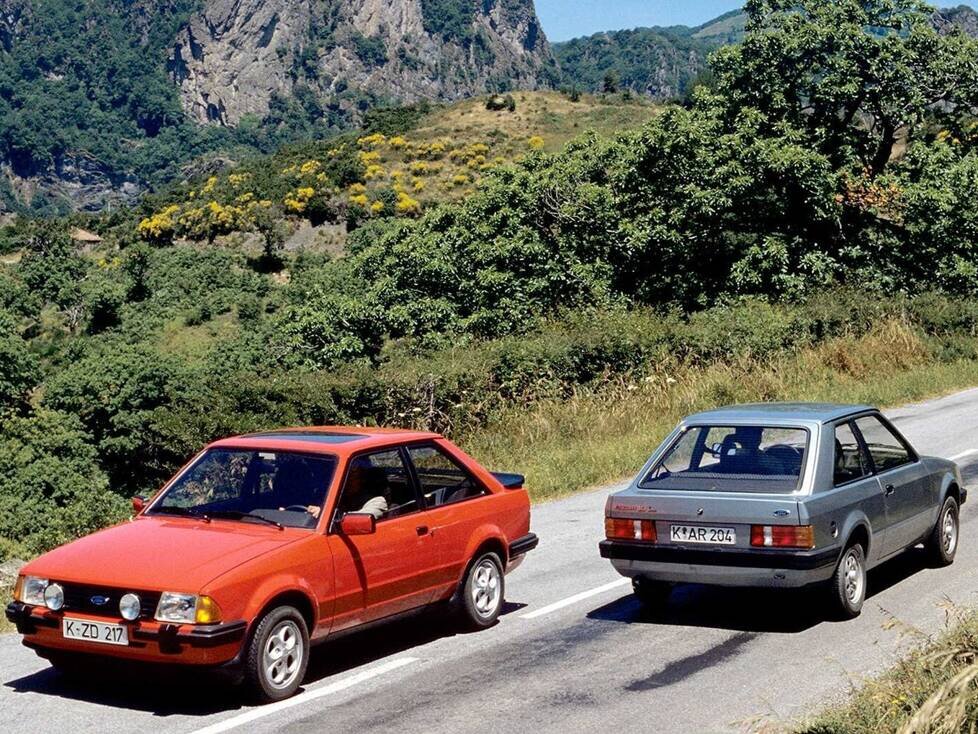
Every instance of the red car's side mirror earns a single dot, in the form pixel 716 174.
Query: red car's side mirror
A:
pixel 138 504
pixel 358 523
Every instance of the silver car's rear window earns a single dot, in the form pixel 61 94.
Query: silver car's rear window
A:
pixel 762 459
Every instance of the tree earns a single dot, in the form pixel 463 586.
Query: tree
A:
pixel 51 487
pixel 610 83
pixel 856 75
pixel 19 368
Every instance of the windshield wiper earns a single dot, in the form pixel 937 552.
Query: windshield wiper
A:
pixel 238 515
pixel 181 511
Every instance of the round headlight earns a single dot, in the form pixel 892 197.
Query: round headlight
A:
pixel 54 597
pixel 129 606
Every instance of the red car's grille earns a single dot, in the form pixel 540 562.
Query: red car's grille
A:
pixel 105 601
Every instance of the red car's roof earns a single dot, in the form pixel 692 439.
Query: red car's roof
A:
pixel 324 439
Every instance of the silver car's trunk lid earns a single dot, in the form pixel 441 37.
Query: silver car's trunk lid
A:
pixel 709 508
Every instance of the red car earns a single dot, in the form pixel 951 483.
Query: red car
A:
pixel 266 544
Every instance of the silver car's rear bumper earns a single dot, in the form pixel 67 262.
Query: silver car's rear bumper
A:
pixel 720 567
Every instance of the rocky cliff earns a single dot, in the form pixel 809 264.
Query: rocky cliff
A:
pixel 235 56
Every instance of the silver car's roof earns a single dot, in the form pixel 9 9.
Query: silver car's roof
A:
pixel 808 412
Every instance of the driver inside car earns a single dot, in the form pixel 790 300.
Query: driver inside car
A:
pixel 296 485
pixel 365 490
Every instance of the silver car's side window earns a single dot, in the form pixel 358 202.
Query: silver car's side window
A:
pixel 887 450
pixel 851 462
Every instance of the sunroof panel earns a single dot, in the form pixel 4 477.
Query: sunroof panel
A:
pixel 310 436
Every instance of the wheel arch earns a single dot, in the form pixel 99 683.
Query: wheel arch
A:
pixel 490 540
pixel 294 598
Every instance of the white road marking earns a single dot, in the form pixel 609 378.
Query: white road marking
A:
pixel 273 708
pixel 575 599
pixel 969 452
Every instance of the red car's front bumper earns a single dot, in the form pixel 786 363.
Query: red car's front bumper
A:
pixel 149 641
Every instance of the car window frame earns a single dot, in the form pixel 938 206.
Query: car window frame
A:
pixel 332 527
pixel 459 465
pixel 914 457
pixel 861 443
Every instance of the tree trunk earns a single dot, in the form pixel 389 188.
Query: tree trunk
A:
pixel 883 151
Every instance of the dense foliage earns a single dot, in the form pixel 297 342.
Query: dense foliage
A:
pixel 663 63
pixel 761 217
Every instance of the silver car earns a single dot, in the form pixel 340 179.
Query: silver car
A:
pixel 781 495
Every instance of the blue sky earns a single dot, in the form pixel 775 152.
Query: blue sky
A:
pixel 564 19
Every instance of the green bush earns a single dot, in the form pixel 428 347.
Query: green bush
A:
pixel 52 489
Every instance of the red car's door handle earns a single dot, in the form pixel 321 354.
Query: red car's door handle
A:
pixel 422 529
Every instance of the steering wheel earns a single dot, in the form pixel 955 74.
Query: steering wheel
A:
pixel 297 508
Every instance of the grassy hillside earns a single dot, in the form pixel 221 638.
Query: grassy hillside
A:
pixel 405 162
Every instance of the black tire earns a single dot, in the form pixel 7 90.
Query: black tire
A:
pixel 482 593
pixel 942 543
pixel 281 638
pixel 848 585
pixel 652 594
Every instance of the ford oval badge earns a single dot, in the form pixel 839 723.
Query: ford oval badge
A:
pixel 781 513
pixel 98 600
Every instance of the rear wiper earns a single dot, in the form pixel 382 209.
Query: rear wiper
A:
pixel 181 511
pixel 238 515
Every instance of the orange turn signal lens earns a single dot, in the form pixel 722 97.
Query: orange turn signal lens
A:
pixel 782 536
pixel 18 587
pixel 618 528
pixel 208 612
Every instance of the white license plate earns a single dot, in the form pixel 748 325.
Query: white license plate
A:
pixel 701 534
pixel 106 634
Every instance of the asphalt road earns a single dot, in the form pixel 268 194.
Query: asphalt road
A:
pixel 573 652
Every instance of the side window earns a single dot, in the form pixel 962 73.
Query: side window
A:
pixel 378 484
pixel 851 461
pixel 442 480
pixel 887 450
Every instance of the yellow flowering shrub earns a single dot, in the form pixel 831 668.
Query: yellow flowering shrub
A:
pixel 377 207
pixel 407 205
pixel 160 225
pixel 375 171
pixel 359 200
pixel 372 141
pixel 297 201
pixel 398 142
pixel 536 142
pixel 369 157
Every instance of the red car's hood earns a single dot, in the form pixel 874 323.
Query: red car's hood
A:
pixel 160 553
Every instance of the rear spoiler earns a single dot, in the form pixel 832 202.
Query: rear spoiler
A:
pixel 510 481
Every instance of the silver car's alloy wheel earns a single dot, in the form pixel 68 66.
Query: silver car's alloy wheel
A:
pixel 855 576
pixel 949 530
pixel 282 656
pixel 486 588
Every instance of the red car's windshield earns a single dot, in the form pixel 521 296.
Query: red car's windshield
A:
pixel 271 486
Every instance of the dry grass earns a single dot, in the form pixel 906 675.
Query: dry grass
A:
pixel 551 115
pixel 596 438
pixel 931 691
